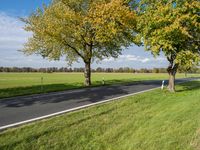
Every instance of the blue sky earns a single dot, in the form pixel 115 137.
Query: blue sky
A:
pixel 21 7
pixel 12 38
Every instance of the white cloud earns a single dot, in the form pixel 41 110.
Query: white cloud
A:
pixel 129 58
pixel 145 60
pixel 12 34
pixel 109 59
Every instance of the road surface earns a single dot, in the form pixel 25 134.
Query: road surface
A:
pixel 18 109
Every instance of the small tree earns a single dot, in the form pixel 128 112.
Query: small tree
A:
pixel 171 27
pixel 81 29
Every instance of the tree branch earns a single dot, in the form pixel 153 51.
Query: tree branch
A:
pixel 78 53
pixel 65 43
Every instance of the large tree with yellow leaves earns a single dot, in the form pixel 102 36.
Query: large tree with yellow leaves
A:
pixel 171 27
pixel 81 29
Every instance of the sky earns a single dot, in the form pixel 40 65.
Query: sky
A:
pixel 13 36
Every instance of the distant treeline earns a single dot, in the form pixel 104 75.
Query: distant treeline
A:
pixel 99 69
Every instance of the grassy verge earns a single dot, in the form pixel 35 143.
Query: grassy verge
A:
pixel 154 120
pixel 15 84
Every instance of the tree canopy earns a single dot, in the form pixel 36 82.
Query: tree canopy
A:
pixel 171 27
pixel 81 29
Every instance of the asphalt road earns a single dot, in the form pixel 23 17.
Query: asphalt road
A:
pixel 17 109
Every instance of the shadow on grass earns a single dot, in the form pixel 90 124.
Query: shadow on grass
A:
pixel 19 91
pixel 85 96
pixel 192 85
pixel 38 89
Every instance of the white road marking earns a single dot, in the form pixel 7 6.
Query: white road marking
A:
pixel 80 107
pixel 72 109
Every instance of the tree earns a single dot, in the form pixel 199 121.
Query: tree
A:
pixel 81 29
pixel 171 27
pixel 183 69
pixel 155 70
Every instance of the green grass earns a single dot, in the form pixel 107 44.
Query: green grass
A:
pixel 150 121
pixel 14 84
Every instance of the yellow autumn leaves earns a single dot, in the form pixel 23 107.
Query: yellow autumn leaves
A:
pixel 172 27
pixel 100 28
pixel 81 29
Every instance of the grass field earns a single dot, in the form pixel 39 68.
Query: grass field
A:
pixel 14 84
pixel 150 121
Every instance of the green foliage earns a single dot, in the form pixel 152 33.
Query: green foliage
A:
pixel 173 27
pixel 80 29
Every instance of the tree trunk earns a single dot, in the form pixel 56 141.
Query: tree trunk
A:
pixel 87 73
pixel 172 74
pixel 171 84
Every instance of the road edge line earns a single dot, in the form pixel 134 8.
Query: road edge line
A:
pixel 80 107
pixel 72 109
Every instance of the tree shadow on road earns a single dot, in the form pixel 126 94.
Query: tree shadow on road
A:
pixel 86 95
pixel 38 89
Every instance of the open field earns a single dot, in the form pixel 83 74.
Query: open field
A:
pixel 154 120
pixel 14 84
